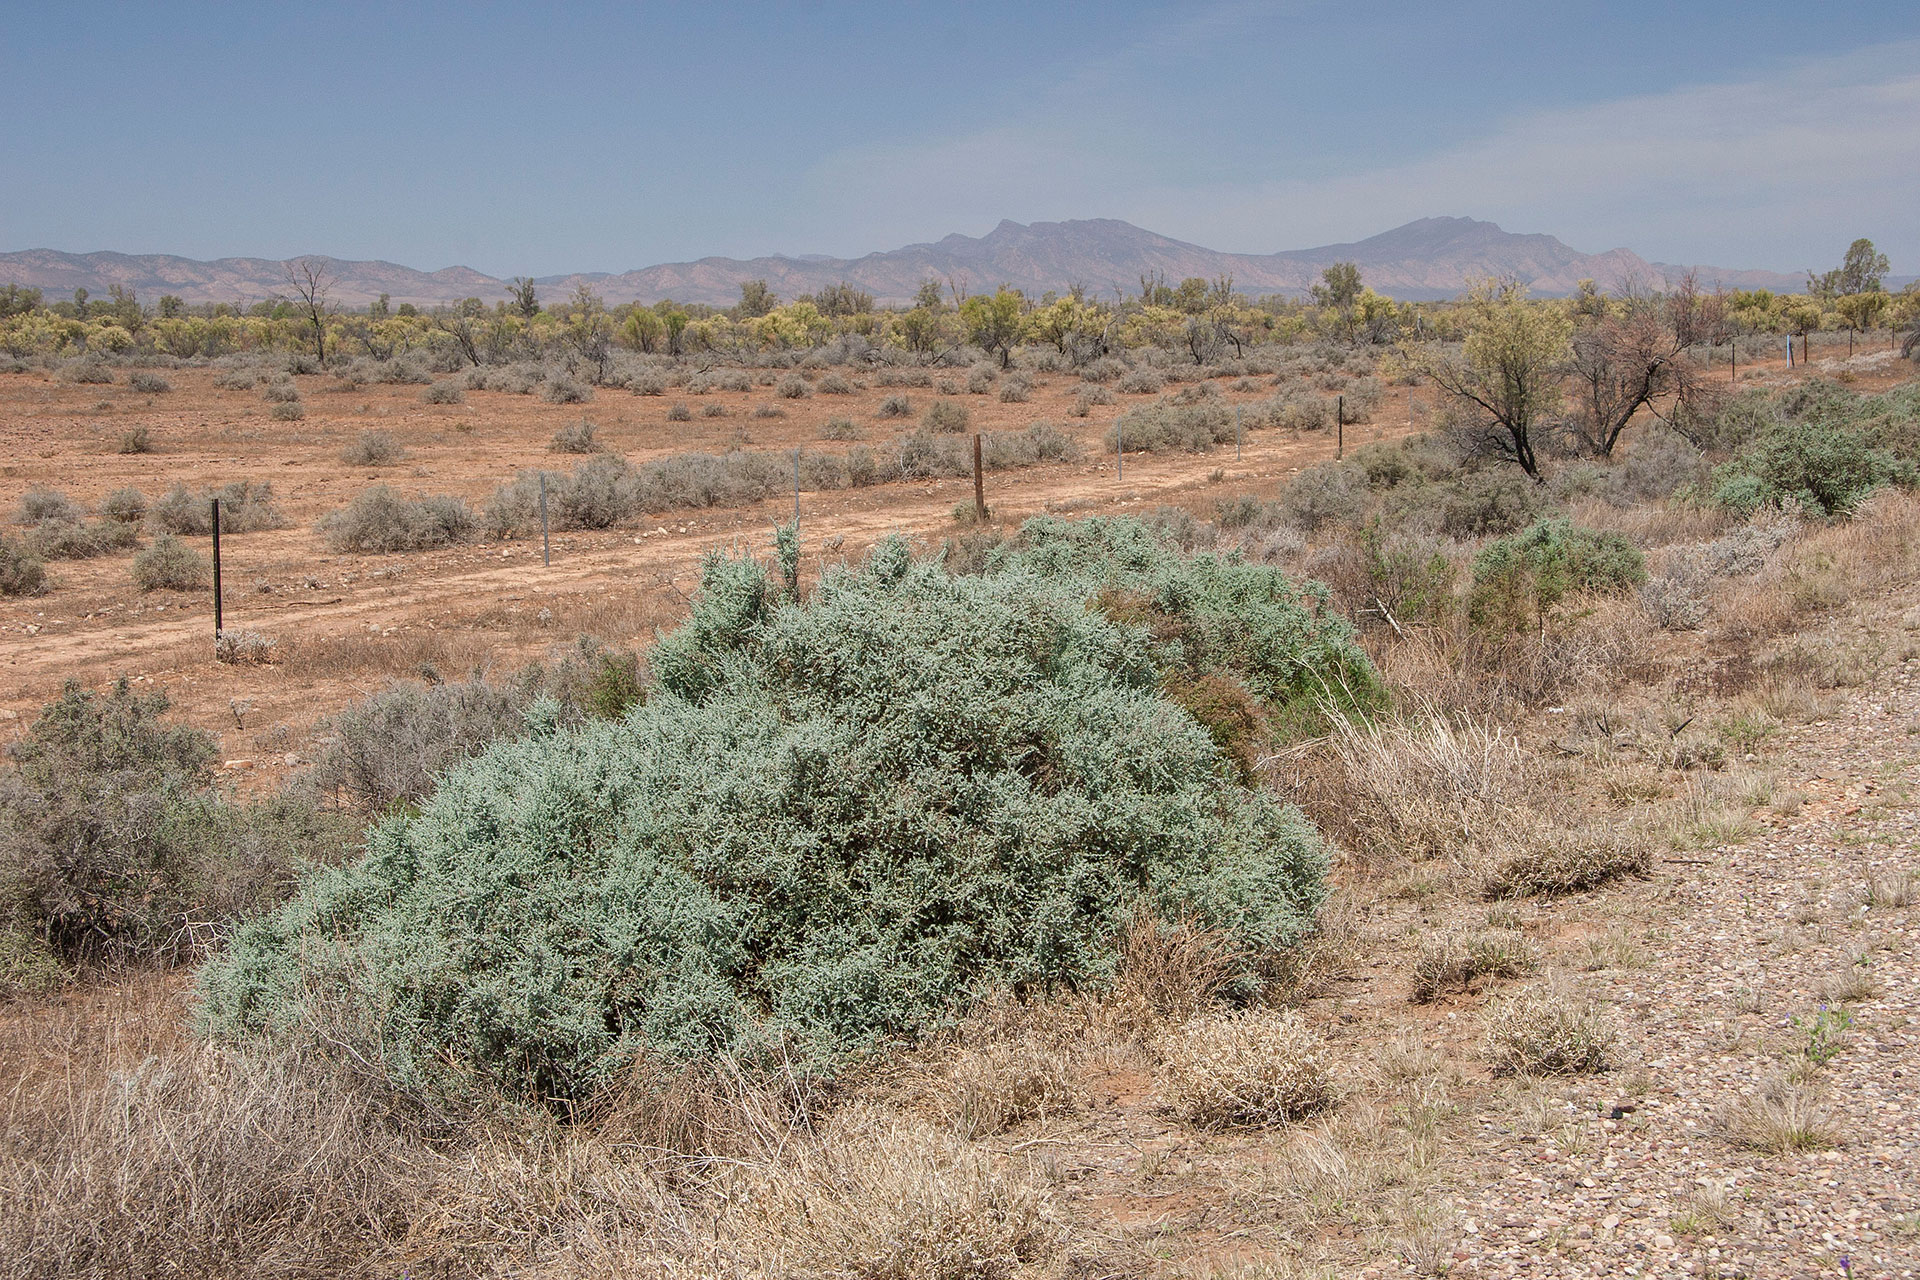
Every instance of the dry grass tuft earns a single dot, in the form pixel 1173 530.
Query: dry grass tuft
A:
pixel 990 1088
pixel 1562 861
pixel 134 1151
pixel 1454 958
pixel 884 1198
pixel 1422 785
pixel 1546 1031
pixel 1897 889
pixel 1170 973
pixel 1779 1118
pixel 1256 1069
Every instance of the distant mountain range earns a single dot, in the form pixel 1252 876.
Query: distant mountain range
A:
pixel 1427 259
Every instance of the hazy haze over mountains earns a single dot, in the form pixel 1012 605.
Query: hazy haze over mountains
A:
pixel 1425 259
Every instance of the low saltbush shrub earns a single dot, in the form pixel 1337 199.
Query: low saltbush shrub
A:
pixel 576 437
pixel 171 565
pixel 835 821
pixel 245 507
pixel 116 848
pixel 373 449
pixel 21 572
pixel 380 521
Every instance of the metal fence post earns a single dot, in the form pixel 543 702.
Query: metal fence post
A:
pixel 217 618
pixel 546 548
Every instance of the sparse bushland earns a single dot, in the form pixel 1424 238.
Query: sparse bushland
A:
pixel 139 1146
pixel 1171 832
pixel 608 491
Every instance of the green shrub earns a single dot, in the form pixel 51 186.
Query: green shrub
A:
pixel 1207 613
pixel 896 407
pixel 380 521
pixel 836 821
pixel 170 564
pixel 151 383
pixel 115 849
pixel 1517 579
pixel 1820 465
pixel 446 391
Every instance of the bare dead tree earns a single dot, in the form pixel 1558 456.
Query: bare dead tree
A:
pixel 1632 358
pixel 313 282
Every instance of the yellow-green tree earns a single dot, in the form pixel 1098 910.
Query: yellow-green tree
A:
pixel 993 322
pixel 1507 379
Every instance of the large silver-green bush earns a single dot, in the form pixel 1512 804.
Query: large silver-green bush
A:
pixel 834 822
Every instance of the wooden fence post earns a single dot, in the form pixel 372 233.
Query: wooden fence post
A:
pixel 979 484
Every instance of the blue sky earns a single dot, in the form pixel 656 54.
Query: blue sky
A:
pixel 516 138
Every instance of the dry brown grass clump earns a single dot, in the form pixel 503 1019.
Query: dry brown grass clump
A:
pixel 1779 1118
pixel 1256 1069
pixel 1421 785
pixel 1453 958
pixel 1425 785
pixel 990 1088
pixel 887 1198
pixel 134 1151
pixel 1546 1031
pixel 1167 974
pixel 1563 861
